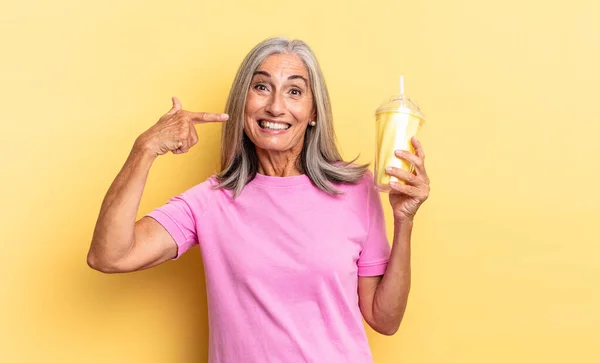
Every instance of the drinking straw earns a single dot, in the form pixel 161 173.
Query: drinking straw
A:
pixel 401 85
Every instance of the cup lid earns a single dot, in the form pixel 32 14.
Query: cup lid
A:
pixel 400 103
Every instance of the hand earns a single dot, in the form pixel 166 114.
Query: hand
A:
pixel 175 131
pixel 407 198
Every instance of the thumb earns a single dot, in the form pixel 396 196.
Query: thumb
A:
pixel 176 105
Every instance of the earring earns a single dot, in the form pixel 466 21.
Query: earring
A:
pixel 313 123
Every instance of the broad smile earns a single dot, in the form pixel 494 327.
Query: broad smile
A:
pixel 270 125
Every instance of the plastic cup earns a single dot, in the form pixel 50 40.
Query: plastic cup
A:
pixel 397 122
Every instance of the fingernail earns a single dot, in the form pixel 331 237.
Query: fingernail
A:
pixel 224 116
pixel 398 152
pixel 388 169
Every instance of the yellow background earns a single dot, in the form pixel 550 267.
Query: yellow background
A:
pixel 506 251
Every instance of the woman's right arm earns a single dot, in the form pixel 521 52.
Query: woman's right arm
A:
pixel 119 243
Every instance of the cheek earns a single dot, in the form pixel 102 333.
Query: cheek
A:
pixel 250 104
pixel 302 112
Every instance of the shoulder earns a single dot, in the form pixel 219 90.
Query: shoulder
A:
pixel 358 194
pixel 200 195
pixel 362 185
pixel 367 178
pixel 205 187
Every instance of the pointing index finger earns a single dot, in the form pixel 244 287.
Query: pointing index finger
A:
pixel 202 117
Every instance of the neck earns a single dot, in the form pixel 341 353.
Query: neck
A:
pixel 274 163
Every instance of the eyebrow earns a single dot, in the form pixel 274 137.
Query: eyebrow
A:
pixel 294 76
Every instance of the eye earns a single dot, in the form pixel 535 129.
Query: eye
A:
pixel 260 87
pixel 295 92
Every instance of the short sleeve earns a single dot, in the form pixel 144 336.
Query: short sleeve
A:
pixel 376 249
pixel 179 216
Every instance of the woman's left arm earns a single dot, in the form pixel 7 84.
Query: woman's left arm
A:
pixel 382 299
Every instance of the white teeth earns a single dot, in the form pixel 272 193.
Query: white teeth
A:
pixel 274 126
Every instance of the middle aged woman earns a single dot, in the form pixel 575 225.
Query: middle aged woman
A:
pixel 292 237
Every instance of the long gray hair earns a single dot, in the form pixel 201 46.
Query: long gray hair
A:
pixel 320 159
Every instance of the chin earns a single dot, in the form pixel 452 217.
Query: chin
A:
pixel 272 146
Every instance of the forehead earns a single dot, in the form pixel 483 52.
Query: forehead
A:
pixel 283 65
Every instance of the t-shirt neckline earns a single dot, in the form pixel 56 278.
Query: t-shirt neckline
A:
pixel 281 181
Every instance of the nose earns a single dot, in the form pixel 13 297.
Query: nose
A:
pixel 275 105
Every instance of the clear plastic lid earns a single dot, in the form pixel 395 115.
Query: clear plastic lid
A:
pixel 400 103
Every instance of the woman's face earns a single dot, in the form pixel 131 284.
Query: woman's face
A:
pixel 279 104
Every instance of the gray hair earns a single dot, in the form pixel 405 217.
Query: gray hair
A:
pixel 320 159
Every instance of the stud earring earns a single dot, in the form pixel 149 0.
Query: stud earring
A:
pixel 313 123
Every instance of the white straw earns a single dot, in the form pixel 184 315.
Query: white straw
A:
pixel 401 85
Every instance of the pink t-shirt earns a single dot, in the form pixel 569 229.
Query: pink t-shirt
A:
pixel 282 263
